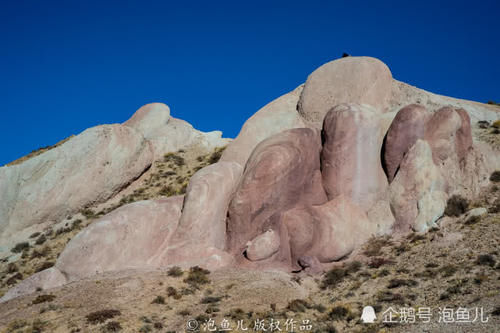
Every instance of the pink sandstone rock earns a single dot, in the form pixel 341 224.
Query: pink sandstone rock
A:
pixel 405 129
pixel 46 279
pixel 361 80
pixel 350 160
pixel 417 192
pixel 201 232
pixel 279 115
pixel 278 175
pixel 133 236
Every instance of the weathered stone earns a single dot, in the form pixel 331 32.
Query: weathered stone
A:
pixel 350 159
pixel 279 115
pixel 417 192
pixel 361 80
pixel 407 127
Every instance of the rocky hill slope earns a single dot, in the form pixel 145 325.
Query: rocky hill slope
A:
pixel 351 181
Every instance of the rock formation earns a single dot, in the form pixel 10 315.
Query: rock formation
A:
pixel 310 178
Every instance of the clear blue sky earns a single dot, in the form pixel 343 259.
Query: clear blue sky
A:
pixel 69 65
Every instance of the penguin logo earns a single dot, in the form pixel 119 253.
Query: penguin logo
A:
pixel 368 315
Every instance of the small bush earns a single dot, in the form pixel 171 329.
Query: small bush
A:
pixel 236 314
pixel 333 277
pixel 390 297
pixel 210 299
pixel 175 271
pixel 40 240
pixel 396 283
pixel 45 265
pixel 374 246
pixel 486 260
pixel 380 261
pixel 496 311
pixel 43 298
pixel 87 212
pixel 20 247
pixel 216 155
pixel 298 305
pixel 158 300
pixel 176 159
pixel 13 279
pixel 340 312
pixel 40 253
pixel 197 276
pixel 184 312
pixel 113 326
pixel 496 124
pixel 11 268
pixel 456 206
pixel 34 235
pixel 99 317
pixel 157 325
pixel 172 292
pixel 483 124
pixel 495 176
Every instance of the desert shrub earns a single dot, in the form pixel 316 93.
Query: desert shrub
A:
pixel 101 316
pixel 113 326
pixel 12 268
pixel 45 265
pixel 211 309
pixel 20 247
pixel 40 240
pixel 210 299
pixel 145 329
pixel 495 131
pixel 87 212
pixel 43 298
pixel 34 235
pixel 40 253
pixel 380 261
pixel 175 271
pixel 486 260
pixel 236 314
pixel 431 265
pixel 374 246
pixel 340 313
pixel 353 267
pixel 197 276
pixel 319 307
pixel 167 191
pixel 201 318
pixel 184 312
pixel 13 279
pixel 390 297
pixel 176 159
pixel 496 311
pixel 495 207
pixel 158 300
pixel 216 155
pixel 496 124
pixel 495 176
pixel 172 292
pixel 298 305
pixel 396 283
pixel 483 124
pixel 333 277
pixel 456 206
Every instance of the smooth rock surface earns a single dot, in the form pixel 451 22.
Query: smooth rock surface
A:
pixel 133 236
pixel 279 115
pixel 407 127
pixel 46 279
pixel 350 159
pixel 417 192
pixel 361 80
pixel 278 175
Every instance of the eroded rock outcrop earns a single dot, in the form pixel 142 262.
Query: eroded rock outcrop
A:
pixel 407 127
pixel 277 116
pixel 133 236
pixel 88 168
pixel 278 175
pixel 361 80
pixel 350 159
